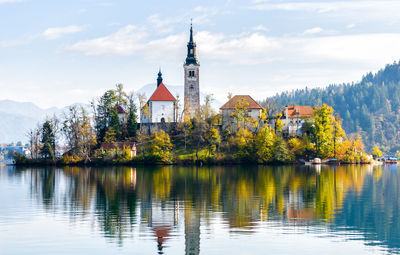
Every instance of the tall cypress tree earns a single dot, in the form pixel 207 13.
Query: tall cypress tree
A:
pixel 115 123
pixel 132 122
pixel 48 141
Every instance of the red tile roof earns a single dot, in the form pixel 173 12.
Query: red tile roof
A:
pixel 231 104
pixel 295 111
pixel 162 94
pixel 119 145
pixel 120 109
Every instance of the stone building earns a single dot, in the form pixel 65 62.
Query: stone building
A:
pixel 191 73
pixel 293 118
pixel 254 110
pixel 161 106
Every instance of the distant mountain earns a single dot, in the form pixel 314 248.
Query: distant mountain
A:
pixel 26 109
pixel 13 127
pixel 370 107
pixel 17 118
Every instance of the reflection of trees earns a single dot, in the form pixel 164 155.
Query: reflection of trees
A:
pixel 375 210
pixel 245 196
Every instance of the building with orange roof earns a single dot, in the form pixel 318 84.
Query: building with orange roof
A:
pixel 294 116
pixel 161 106
pixel 254 109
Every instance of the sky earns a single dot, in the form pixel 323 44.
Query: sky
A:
pixel 55 53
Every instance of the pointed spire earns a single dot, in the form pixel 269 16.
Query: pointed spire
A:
pixel 191 55
pixel 191 31
pixel 159 79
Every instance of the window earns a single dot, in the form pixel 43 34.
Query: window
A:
pixel 191 74
pixel 191 86
pixel 163 107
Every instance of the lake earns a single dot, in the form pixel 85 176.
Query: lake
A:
pixel 208 210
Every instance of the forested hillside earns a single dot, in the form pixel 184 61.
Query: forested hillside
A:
pixel 370 107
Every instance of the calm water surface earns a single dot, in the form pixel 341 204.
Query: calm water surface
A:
pixel 217 210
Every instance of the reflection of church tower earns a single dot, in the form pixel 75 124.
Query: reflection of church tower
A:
pixel 192 230
pixel 191 69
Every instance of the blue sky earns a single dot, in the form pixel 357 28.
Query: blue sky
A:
pixel 55 53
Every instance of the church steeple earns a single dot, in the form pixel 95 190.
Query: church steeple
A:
pixel 159 79
pixel 191 54
pixel 192 76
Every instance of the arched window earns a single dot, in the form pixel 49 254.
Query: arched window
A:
pixel 191 74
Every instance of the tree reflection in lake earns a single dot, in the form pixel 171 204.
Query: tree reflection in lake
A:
pixel 344 199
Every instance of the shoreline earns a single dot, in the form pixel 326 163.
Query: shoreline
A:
pixel 99 162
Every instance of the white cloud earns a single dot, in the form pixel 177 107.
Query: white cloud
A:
pixel 313 31
pixel 54 33
pixel 261 28
pixel 125 41
pixel 350 10
pixel 10 1
pixel 243 50
pixel 248 49
pixel 163 25
pixel 265 64
pixel 352 25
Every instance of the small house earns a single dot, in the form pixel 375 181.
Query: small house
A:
pixel 253 109
pixel 120 146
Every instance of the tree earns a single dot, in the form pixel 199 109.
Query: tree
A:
pixel 278 124
pixel 323 130
pixel 160 147
pixel 281 151
pixel 34 141
pixel 242 143
pixel 376 152
pixel 48 141
pixel 78 131
pixel 131 125
pixel 102 116
pixel 270 106
pixel 339 135
pixel 264 142
pixel 212 140
pixel 121 95
pixel 178 107
pixel 115 123
pixel 298 146
pixel 110 136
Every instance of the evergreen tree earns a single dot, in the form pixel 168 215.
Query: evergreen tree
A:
pixel 115 123
pixel 48 141
pixel 132 122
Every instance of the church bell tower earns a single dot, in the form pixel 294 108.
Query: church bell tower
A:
pixel 191 70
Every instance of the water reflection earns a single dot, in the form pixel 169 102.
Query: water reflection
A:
pixel 165 202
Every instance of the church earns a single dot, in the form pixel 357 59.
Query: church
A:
pixel 162 105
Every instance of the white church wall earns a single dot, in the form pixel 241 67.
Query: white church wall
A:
pixel 162 109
